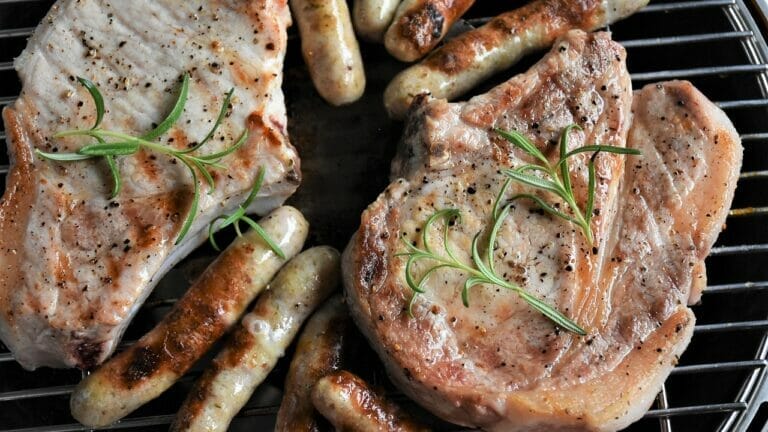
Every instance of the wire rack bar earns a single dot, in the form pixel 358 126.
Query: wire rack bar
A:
pixel 720 367
pixel 746 103
pixel 754 136
pixel 753 175
pixel 686 39
pixel 748 211
pixel 739 249
pixel 17 32
pixel 731 326
pixel 36 393
pixel 697 409
pixel 695 4
pixel 699 72
pixel 161 420
pixel 736 287
pixel 662 402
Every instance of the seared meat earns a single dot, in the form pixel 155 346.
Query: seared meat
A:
pixel 499 364
pixel 74 265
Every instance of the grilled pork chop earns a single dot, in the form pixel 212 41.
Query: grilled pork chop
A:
pixel 498 364
pixel 75 265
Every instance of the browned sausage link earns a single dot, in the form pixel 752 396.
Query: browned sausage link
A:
pixel 208 309
pixel 259 341
pixel 472 57
pixel 420 24
pixel 318 353
pixel 330 49
pixel 351 405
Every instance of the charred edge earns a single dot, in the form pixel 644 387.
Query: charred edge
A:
pixel 143 364
pixel 370 265
pixel 195 401
pixel 240 343
pixel 368 402
pixel 423 27
pixel 293 176
pixel 256 123
pixel 87 354
pixel 193 325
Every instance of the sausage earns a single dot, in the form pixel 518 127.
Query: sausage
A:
pixel 318 353
pixel 259 341
pixel 351 405
pixel 470 58
pixel 330 49
pixel 372 17
pixel 207 310
pixel 420 24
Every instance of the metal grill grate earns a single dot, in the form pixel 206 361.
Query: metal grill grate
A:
pixel 721 382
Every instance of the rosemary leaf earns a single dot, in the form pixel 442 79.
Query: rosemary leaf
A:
pixel 215 157
pixel 62 157
pixel 110 149
pixel 523 143
pixel 116 181
pixel 603 148
pixel 565 173
pixel 534 181
pixel 239 215
pixel 219 120
pixel 98 100
pixel 193 207
pixel 173 116
pixel 264 236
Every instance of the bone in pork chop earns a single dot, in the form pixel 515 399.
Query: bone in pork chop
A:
pixel 75 265
pixel 498 364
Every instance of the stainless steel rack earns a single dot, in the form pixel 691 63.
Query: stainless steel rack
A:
pixel 721 383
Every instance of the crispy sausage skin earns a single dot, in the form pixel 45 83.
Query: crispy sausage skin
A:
pixel 420 24
pixel 260 340
pixel 470 58
pixel 351 405
pixel 372 17
pixel 318 353
pixel 208 309
pixel 330 49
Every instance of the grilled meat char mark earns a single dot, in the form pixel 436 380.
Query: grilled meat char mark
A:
pixel 498 364
pixel 75 266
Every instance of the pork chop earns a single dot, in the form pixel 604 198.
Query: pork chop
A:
pixel 498 364
pixel 74 265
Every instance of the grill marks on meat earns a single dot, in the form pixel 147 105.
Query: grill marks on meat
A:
pixel 75 266
pixel 499 364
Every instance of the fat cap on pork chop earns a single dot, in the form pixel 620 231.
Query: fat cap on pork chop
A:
pixel 498 364
pixel 74 265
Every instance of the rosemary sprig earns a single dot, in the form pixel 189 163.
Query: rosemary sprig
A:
pixel 112 144
pixel 239 214
pixel 481 271
pixel 556 178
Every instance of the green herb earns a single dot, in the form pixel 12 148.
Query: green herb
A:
pixel 239 215
pixel 123 145
pixel 481 272
pixel 556 178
